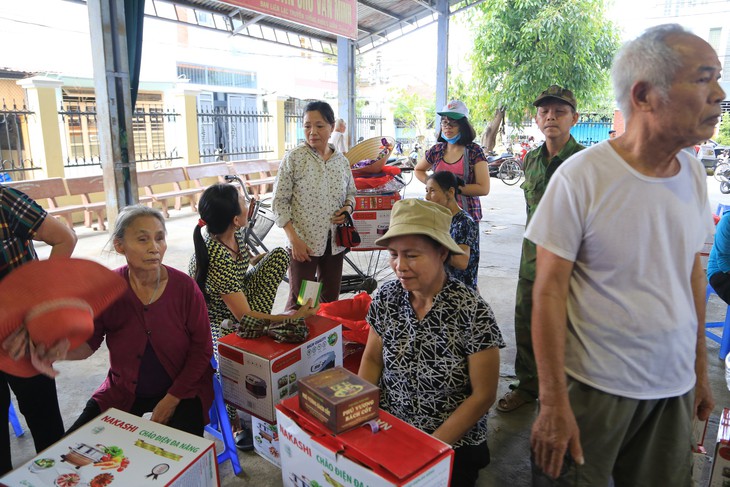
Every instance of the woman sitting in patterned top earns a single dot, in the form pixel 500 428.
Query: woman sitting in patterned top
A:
pixel 235 283
pixel 442 188
pixel 433 347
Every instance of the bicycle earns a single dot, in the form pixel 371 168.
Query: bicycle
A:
pixel 510 172
pixel 365 270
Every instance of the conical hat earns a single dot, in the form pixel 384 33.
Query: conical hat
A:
pixel 56 298
pixel 368 149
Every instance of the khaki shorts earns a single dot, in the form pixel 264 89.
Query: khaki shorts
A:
pixel 635 442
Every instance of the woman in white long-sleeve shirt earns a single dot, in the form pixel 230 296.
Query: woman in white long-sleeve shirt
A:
pixel 314 189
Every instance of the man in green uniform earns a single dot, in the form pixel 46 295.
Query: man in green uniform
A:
pixel 556 114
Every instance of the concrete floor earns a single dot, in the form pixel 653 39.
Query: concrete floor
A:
pixel 501 233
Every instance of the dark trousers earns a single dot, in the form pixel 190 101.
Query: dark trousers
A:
pixel 326 269
pixel 468 460
pixel 38 402
pixel 720 282
pixel 188 415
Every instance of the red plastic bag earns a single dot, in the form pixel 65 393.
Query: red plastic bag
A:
pixel 351 313
pixel 386 174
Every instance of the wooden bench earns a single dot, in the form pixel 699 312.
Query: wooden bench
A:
pixel 197 172
pixel 169 175
pixel 48 189
pixel 259 168
pixel 84 186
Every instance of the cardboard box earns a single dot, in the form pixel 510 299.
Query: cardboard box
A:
pixel 339 399
pixel 701 467
pixel 120 449
pixel 699 429
pixel 266 440
pixel 258 373
pixel 372 217
pixel 398 454
pixel 721 460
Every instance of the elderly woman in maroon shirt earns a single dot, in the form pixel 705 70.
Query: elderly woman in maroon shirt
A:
pixel 157 333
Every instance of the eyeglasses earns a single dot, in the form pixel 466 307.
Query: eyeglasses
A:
pixel 445 122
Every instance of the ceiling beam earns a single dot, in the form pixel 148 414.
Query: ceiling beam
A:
pixel 380 10
pixel 247 23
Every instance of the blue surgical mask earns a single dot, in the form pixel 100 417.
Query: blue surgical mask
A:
pixel 452 140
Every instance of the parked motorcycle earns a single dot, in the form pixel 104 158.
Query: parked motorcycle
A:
pixel 494 161
pixel 722 171
pixel 401 160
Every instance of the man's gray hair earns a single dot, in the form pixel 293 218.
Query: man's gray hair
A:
pixel 339 122
pixel 647 58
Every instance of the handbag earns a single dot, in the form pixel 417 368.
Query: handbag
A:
pixel 346 235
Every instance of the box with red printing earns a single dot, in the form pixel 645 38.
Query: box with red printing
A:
pixel 372 217
pixel 376 201
pixel 120 449
pixel 257 373
pixel 266 440
pixel 721 463
pixel 394 454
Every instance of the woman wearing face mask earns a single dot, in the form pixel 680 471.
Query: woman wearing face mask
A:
pixel 443 188
pixel 457 153
pixel 314 188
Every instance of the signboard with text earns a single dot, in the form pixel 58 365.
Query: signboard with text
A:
pixel 335 16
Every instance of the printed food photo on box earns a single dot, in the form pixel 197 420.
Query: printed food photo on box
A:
pixel 266 440
pixel 259 373
pixel 120 449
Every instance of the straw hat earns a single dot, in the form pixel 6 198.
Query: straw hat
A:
pixel 420 217
pixel 369 149
pixel 56 299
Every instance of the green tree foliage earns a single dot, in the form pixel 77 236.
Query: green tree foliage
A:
pixel 414 110
pixel 723 135
pixel 523 46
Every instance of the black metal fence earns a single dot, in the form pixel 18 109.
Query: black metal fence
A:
pixel 152 129
pixel 227 134
pixel 15 154
pixel 366 126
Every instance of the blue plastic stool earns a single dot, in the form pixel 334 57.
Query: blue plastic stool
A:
pixel 722 209
pixel 15 423
pixel 723 340
pixel 220 425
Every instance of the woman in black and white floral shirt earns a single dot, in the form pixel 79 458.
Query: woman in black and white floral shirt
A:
pixel 314 189
pixel 433 347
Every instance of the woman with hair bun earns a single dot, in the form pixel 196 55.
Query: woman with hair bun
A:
pixel 443 188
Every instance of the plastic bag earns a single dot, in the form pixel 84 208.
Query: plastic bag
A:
pixel 351 313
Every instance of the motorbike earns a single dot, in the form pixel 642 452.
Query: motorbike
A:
pixel 722 171
pixel 494 161
pixel 400 159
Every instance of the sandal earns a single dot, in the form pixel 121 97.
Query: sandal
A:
pixel 513 400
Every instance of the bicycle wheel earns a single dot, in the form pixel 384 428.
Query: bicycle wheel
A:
pixel 509 172
pixel 365 270
pixel 725 187
pixel 722 171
